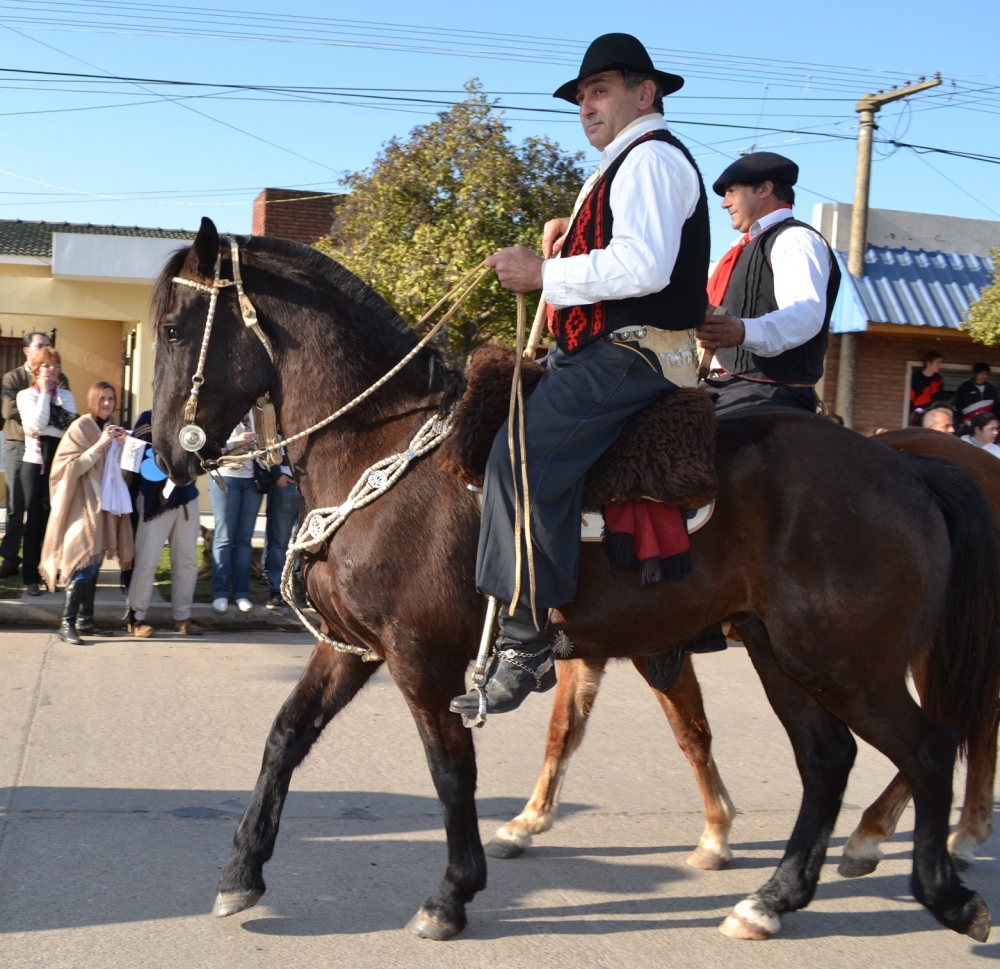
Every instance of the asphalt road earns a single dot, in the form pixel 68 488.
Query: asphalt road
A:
pixel 124 768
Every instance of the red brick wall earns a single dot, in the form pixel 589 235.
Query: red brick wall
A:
pixel 882 373
pixel 300 216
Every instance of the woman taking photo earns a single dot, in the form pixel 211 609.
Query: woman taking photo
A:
pixel 46 411
pixel 983 432
pixel 81 533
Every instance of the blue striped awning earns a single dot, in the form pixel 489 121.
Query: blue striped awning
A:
pixel 912 287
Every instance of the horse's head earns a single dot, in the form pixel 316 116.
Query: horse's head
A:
pixel 236 370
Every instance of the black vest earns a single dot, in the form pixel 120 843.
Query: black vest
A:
pixel 680 305
pixel 750 294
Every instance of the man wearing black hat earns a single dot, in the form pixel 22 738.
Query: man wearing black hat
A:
pixel 775 288
pixel 632 265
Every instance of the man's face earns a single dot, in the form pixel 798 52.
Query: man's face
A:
pixel 747 203
pixel 38 341
pixel 981 377
pixel 940 420
pixel 933 367
pixel 607 106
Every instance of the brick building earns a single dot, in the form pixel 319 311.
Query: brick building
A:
pixel 921 274
pixel 301 216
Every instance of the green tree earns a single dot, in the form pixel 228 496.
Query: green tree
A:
pixel 432 207
pixel 983 320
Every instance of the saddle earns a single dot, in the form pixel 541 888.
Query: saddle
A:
pixel 666 452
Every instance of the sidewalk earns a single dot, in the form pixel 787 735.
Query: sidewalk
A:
pixel 110 605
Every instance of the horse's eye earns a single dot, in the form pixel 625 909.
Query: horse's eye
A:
pixel 173 334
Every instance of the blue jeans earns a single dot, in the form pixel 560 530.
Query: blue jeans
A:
pixel 282 514
pixel 235 513
pixel 87 574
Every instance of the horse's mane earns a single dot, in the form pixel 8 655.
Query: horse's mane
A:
pixel 306 265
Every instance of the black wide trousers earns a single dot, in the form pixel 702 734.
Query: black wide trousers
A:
pixel 574 414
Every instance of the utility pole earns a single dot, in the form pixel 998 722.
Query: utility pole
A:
pixel 866 108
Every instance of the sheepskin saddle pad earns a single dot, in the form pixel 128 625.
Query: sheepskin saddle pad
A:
pixel 666 452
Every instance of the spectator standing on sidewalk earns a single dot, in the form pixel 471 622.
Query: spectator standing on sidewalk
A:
pixel 81 531
pixel 46 410
pixel 235 513
pixel 975 396
pixel 14 382
pixel 938 418
pixel 282 516
pixel 167 515
pixel 926 385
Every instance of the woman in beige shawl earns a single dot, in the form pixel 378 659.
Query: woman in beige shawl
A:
pixel 80 534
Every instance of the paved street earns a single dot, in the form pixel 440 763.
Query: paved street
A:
pixel 125 766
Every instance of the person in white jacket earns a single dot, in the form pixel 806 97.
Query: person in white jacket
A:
pixel 46 411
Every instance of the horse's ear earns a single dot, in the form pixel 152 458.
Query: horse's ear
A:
pixel 205 249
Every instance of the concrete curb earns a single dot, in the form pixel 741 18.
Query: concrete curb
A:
pixel 46 611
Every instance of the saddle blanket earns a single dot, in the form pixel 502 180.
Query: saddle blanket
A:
pixel 592 523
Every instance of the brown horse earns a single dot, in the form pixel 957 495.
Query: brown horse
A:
pixel 808 555
pixel 682 703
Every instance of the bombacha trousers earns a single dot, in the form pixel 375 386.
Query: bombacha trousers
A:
pixel 574 414
pixel 180 527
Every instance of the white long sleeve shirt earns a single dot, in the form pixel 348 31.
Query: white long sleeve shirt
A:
pixel 801 264
pixel 33 406
pixel 654 192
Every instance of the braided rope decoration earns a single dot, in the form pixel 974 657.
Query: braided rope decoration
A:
pixel 320 524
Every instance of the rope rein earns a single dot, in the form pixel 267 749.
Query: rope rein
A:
pixel 320 524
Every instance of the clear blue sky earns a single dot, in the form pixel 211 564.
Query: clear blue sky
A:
pixel 136 156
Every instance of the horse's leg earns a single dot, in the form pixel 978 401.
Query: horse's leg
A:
pixel 862 853
pixel 824 752
pixel 976 823
pixel 328 683
pixel 685 711
pixel 576 688
pixel 428 686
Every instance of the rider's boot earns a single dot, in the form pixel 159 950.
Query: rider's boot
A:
pixel 712 640
pixel 85 624
pixel 67 629
pixel 523 664
pixel 663 669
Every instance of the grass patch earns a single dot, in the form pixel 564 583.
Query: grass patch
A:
pixel 260 591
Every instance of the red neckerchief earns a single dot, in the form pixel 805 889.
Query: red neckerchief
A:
pixel 719 282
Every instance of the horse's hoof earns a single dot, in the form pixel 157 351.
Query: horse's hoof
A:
pixel 499 848
pixel 749 921
pixel 708 860
pixel 229 903
pixel 853 867
pixel 962 848
pixel 979 930
pixel 425 926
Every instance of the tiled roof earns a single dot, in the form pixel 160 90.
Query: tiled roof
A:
pixel 910 286
pixel 19 238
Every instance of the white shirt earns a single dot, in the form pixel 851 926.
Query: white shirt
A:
pixel 244 470
pixel 33 406
pixel 801 264
pixel 653 194
pixel 989 448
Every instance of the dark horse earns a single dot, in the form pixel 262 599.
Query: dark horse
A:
pixel 847 560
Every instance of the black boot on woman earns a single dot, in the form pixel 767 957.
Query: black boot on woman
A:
pixel 85 624
pixel 74 597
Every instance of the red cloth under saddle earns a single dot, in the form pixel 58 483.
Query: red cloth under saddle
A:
pixel 659 536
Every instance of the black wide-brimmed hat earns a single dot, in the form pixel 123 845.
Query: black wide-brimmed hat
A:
pixel 618 52
pixel 757 167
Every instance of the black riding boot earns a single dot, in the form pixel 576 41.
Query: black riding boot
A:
pixel 85 624
pixel 74 597
pixel 522 664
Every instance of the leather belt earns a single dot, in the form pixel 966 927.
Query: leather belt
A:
pixel 672 352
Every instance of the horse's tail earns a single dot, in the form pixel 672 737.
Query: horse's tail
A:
pixel 963 664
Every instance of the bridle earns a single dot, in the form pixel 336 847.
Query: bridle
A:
pixel 192 437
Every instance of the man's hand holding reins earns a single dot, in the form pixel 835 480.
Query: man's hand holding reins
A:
pixel 718 332
pixel 518 269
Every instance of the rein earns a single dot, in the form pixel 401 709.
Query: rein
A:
pixel 321 523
